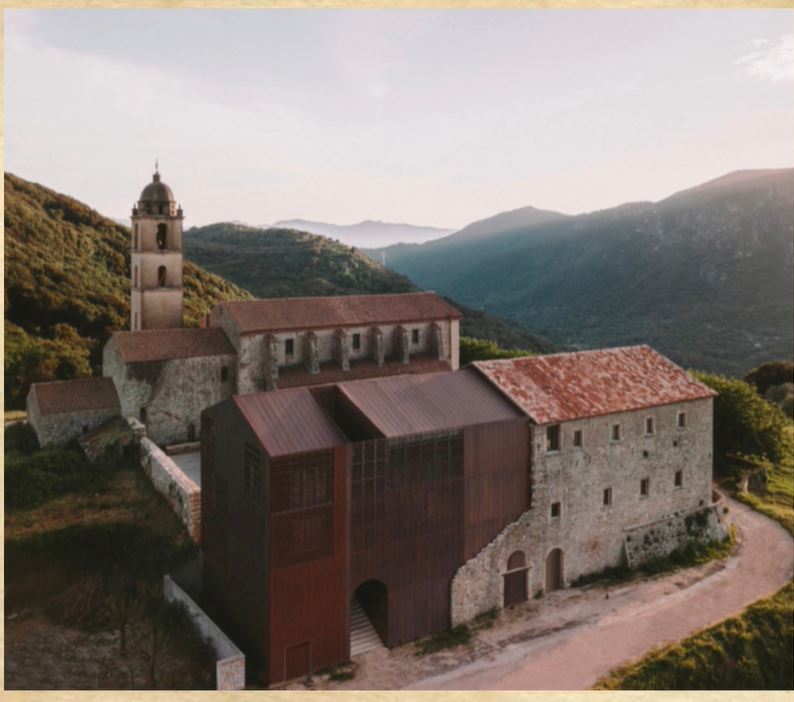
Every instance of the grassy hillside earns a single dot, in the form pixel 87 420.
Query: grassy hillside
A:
pixel 705 276
pixel 67 274
pixel 286 262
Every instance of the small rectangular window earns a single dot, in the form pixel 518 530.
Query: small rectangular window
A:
pixel 356 341
pixel 616 432
pixel 143 414
pixel 224 374
pixel 553 438
pixel 679 478
pixel 681 420
pixel 289 346
pixel 607 496
pixel 649 425
pixel 414 336
pixel 645 486
pixel 577 438
pixel 556 509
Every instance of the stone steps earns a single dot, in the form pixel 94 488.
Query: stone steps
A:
pixel 363 636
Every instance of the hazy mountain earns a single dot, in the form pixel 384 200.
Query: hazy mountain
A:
pixel 705 275
pixel 368 234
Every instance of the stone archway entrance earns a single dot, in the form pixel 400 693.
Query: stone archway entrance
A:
pixel 554 570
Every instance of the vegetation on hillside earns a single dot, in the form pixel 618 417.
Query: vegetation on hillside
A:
pixel 67 274
pixel 774 381
pixel 754 651
pixel 485 350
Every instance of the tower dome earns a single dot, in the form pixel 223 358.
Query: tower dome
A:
pixel 157 192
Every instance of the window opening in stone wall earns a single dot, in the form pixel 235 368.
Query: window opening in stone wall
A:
pixel 136 235
pixel 553 438
pixel 162 229
pixel 85 428
pixel 224 374
pixel 681 420
pixel 645 486
pixel 135 278
pixel 161 276
pixel 679 478
pixel 414 336
pixel 556 509
pixel 135 322
pixel 142 414
pixel 191 432
pixel 577 438
pixel 616 432
pixel 356 342
pixel 607 497
pixel 289 346
pixel 649 429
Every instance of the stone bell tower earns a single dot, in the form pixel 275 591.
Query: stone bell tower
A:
pixel 156 269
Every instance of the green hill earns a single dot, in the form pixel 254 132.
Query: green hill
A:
pixel 67 272
pixel 705 276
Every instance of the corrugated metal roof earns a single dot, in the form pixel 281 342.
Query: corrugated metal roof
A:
pixel 418 404
pixel 289 421
pixel 339 311
pixel 567 386
pixel 80 395
pixel 167 344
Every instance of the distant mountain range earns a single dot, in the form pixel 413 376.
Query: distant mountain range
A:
pixel 704 275
pixel 367 234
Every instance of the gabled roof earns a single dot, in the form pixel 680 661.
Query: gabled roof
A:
pixel 567 386
pixel 167 344
pixel 80 395
pixel 418 404
pixel 288 421
pixel 284 314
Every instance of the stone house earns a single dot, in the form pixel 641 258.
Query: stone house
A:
pixel 63 410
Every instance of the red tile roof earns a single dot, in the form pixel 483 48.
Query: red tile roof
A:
pixel 253 316
pixel 297 376
pixel 289 421
pixel 419 404
pixel 567 386
pixel 167 344
pixel 80 395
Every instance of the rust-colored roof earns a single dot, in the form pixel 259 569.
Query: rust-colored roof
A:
pixel 341 311
pixel 167 344
pixel 567 386
pixel 289 421
pixel 298 376
pixel 419 404
pixel 80 395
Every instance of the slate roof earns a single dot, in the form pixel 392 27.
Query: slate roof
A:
pixel 289 421
pixel 168 344
pixel 418 404
pixel 80 395
pixel 270 315
pixel 567 386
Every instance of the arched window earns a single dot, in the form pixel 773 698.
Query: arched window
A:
pixel 135 277
pixel 516 560
pixel 136 235
pixel 161 276
pixel 135 322
pixel 162 230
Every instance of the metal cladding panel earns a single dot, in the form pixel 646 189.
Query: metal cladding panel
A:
pixel 561 387
pixel 420 404
pixel 253 316
pixel 289 422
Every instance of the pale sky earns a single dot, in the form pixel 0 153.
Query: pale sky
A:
pixel 429 117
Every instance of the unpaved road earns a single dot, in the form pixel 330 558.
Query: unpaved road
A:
pixel 634 619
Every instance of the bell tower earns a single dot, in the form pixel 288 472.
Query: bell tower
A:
pixel 156 267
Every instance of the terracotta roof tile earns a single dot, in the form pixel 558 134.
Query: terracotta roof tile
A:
pixel 80 395
pixel 345 310
pixel 567 386
pixel 167 344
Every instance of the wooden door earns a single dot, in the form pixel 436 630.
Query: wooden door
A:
pixel 298 663
pixel 554 572
pixel 515 587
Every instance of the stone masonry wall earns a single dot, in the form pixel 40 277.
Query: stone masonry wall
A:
pixel 60 429
pixel 182 493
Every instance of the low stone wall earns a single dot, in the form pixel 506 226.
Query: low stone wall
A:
pixel 230 665
pixel 659 538
pixel 182 493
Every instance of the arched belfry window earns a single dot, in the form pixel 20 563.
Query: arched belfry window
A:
pixel 135 281
pixel 136 235
pixel 162 229
pixel 161 276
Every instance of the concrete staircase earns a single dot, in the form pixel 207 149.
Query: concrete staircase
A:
pixel 363 636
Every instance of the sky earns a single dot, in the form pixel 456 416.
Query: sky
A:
pixel 433 117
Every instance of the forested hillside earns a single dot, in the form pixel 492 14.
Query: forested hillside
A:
pixel 705 276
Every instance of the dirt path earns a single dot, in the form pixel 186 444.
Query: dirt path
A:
pixel 588 634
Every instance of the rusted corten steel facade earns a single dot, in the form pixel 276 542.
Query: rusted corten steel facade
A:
pixel 355 502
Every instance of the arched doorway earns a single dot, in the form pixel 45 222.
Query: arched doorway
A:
pixel 368 616
pixel 515 579
pixel 554 570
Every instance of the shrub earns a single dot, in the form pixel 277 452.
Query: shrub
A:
pixel 20 439
pixel 483 350
pixel 451 638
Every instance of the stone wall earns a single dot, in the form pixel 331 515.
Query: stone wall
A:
pixel 230 666
pixel 589 532
pixel 182 493
pixel 60 429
